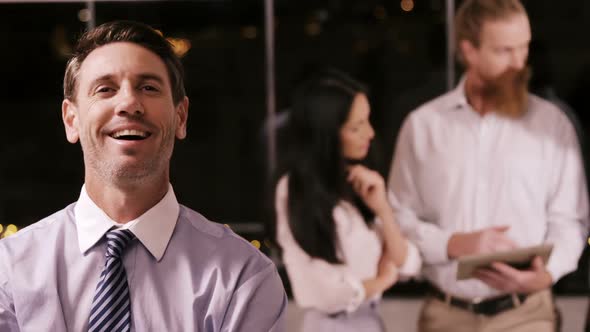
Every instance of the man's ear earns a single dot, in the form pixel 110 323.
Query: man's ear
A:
pixel 182 117
pixel 69 114
pixel 468 51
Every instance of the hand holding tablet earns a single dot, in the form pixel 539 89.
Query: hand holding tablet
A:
pixel 519 258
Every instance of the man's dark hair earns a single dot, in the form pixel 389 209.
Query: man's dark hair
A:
pixel 472 14
pixel 131 32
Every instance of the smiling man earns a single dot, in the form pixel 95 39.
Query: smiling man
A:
pixel 127 256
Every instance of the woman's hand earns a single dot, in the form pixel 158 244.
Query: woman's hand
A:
pixel 370 186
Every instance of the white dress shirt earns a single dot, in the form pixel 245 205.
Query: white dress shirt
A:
pixel 185 273
pixel 327 287
pixel 457 171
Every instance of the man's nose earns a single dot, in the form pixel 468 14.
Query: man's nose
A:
pixel 517 61
pixel 129 102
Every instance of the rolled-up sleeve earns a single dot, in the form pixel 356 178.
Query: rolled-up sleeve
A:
pixel 315 283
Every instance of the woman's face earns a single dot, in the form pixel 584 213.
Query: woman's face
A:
pixel 356 133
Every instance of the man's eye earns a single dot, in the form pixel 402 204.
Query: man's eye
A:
pixel 149 88
pixel 104 89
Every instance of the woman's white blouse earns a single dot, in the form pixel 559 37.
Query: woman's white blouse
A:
pixel 331 287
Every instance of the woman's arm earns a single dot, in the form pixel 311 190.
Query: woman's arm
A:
pixel 318 284
pixel 370 186
pixel 387 276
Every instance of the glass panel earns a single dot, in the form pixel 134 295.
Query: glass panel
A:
pixel 399 54
pixel 40 172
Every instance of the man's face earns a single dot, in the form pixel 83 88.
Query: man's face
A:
pixel 124 115
pixel 504 47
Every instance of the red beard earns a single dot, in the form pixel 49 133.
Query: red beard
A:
pixel 508 93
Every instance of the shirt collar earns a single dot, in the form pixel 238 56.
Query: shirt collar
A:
pixel 457 97
pixel 153 228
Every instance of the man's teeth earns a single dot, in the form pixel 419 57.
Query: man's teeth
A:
pixel 129 132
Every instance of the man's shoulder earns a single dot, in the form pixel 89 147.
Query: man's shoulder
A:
pixel 36 241
pixel 446 101
pixel 544 106
pixel 548 115
pixel 210 233
pixel 45 227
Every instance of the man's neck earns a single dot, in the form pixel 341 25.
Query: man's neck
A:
pixel 126 202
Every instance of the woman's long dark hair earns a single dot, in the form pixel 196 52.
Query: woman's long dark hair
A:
pixel 315 166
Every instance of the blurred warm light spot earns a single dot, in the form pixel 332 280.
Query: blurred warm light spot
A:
pixel 60 43
pixel 249 32
pixel 84 15
pixel 588 238
pixel 179 45
pixel 10 230
pixel 313 28
pixel 255 243
pixel 159 32
pixel 407 5
pixel 380 12
pixel 226 225
pixel 2 229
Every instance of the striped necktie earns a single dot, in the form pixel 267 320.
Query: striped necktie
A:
pixel 111 308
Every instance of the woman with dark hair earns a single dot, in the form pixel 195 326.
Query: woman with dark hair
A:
pixel 334 224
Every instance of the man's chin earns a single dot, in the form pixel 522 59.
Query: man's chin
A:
pixel 129 169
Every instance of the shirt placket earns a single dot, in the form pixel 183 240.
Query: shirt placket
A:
pixel 481 172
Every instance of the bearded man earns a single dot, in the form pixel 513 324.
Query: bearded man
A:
pixel 488 167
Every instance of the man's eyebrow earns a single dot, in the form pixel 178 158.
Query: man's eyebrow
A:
pixel 103 78
pixel 98 80
pixel 140 77
pixel 150 76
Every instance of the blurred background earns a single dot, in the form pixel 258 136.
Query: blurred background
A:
pixel 239 83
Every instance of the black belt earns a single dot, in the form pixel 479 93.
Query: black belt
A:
pixel 487 307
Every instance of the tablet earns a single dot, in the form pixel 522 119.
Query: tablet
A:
pixel 519 258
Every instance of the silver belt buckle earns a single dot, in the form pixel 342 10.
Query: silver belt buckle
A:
pixel 515 300
pixel 448 298
pixel 474 302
